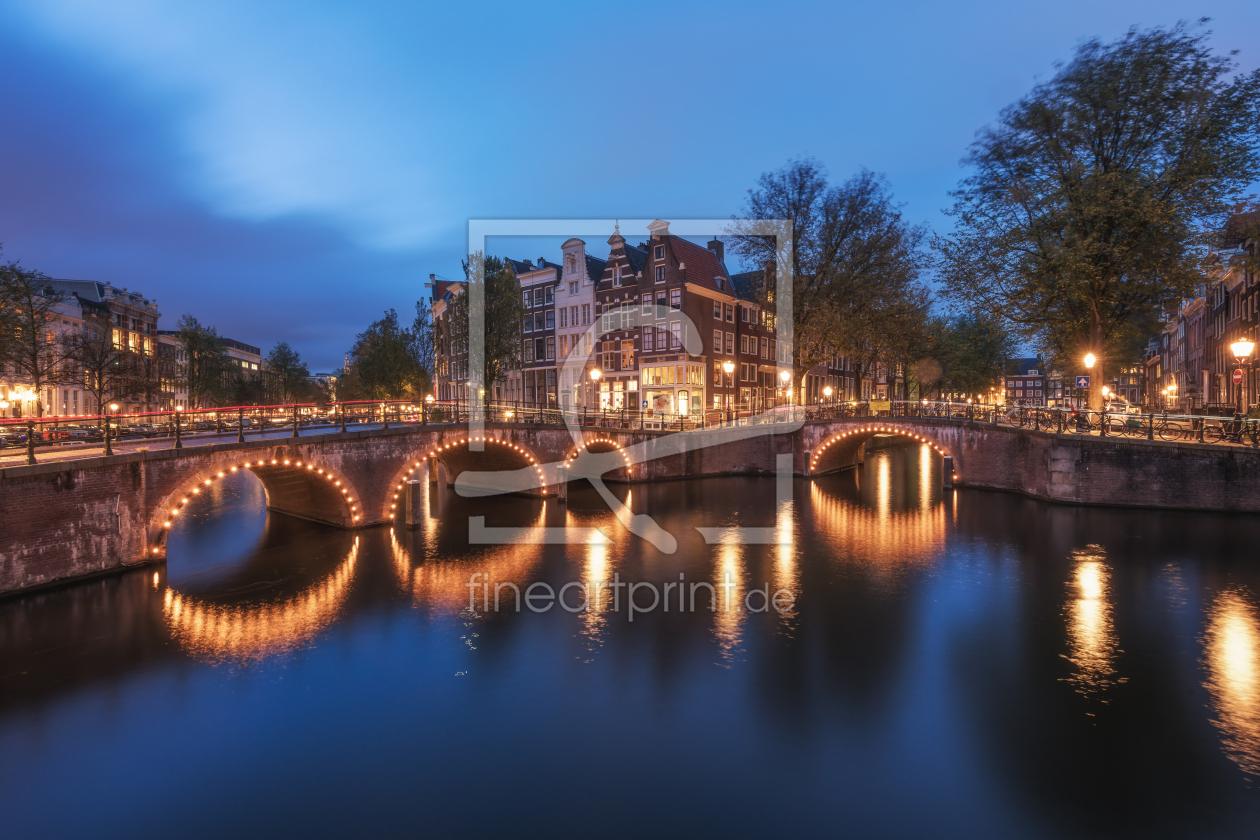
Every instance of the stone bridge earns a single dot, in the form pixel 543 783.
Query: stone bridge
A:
pixel 75 518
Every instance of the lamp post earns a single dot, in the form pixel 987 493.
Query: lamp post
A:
pixel 428 408
pixel 113 410
pixel 1242 352
pixel 1090 358
pixel 784 377
pixel 728 367
pixel 179 441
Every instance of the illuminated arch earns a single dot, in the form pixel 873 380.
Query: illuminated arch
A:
pixel 865 432
pixel 400 480
pixel 598 446
pixel 174 504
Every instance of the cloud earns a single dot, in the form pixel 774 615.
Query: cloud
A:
pixel 95 186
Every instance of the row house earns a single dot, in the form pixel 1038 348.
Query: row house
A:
pixel 1190 364
pixel 653 327
pixel 84 305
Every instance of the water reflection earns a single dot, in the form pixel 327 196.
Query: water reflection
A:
pixel 252 630
pixel 1232 657
pixel 1091 637
pixel 435 567
pixel 863 519
pixel 731 583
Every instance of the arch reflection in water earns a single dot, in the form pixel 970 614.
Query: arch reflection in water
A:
pixel 1231 647
pixel 1091 636
pixel 441 585
pixel 245 631
pixel 872 520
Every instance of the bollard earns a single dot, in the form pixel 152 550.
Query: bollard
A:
pixel 947 472
pixel 414 504
pixel 30 443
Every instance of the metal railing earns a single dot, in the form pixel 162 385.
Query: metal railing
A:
pixel 91 434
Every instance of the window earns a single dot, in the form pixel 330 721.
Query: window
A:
pixel 730 344
pixel 529 323
pixel 743 314
pixel 660 252
pixel 551 318
pixel 647 304
pixel 675 299
pixel 616 278
pixel 529 350
pixel 627 355
pixel 743 345
pixel 573 287
pixel 660 274
pixel 564 317
pixel 573 315
pixel 649 339
pixel 551 294
pixel 730 313
pixel 586 314
pixel 551 347
pixel 675 333
pixel 564 346
pixel 660 304
pixel 540 348
pixel 538 321
pixel 717 310
pixel 717 341
pixel 765 347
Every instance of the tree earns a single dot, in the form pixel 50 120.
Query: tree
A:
pixel 967 356
pixel 424 345
pixel 106 368
pixel 1092 199
pixel 31 344
pixel 291 376
pixel 206 363
pixel 493 288
pixel 385 363
pixel 855 263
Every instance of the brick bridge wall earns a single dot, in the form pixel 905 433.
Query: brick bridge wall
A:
pixel 76 518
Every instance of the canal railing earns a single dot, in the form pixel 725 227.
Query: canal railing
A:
pixel 92 433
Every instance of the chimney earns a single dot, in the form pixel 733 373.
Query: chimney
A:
pixel 540 262
pixel 719 250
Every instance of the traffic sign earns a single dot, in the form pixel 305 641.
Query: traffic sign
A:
pixel 1237 376
pixel 1082 382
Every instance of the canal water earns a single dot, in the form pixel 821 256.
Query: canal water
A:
pixel 935 664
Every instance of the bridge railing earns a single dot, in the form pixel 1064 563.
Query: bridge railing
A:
pixel 92 433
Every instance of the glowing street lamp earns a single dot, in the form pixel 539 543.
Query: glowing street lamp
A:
pixel 596 373
pixel 1089 360
pixel 1242 352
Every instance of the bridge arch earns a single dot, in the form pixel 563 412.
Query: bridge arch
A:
pixel 844 448
pixel 293 486
pixel 457 457
pixel 599 445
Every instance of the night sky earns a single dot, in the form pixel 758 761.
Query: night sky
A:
pixel 288 170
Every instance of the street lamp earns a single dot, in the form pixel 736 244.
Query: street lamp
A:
pixel 784 376
pixel 729 367
pixel 113 408
pixel 1242 352
pixel 1089 360
pixel 827 393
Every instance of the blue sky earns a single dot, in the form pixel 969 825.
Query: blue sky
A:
pixel 287 170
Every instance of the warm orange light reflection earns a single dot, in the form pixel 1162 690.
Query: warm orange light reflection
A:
pixel 442 585
pixel 731 585
pixel 1231 648
pixel 215 631
pixel 1091 637
pixel 889 539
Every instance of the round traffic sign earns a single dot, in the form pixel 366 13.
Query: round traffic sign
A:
pixel 1237 376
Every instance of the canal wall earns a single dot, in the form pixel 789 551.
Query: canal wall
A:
pixel 72 519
